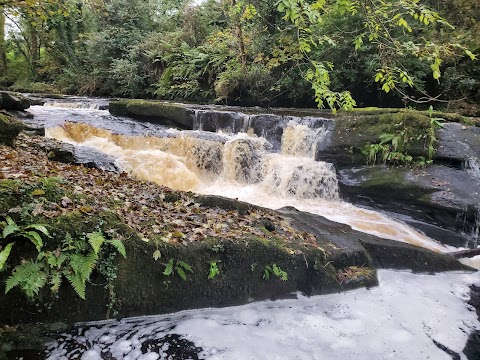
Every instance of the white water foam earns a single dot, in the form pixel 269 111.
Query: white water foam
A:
pixel 401 319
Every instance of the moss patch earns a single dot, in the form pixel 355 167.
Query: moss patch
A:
pixel 163 112
pixel 9 129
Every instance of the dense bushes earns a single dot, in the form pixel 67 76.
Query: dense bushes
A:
pixel 248 53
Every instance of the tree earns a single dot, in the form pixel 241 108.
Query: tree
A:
pixel 395 28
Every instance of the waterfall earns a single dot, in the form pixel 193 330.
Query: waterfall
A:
pixel 241 166
pixel 179 161
pixel 299 177
pixel 300 140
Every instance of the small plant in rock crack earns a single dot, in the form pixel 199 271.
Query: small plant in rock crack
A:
pixel 214 269
pixel 276 270
pixel 180 267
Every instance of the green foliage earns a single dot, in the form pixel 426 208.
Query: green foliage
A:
pixel 288 52
pixel 214 269
pixel 179 267
pixel 10 230
pixel 29 276
pixel 274 269
pixel 75 260
pixel 395 147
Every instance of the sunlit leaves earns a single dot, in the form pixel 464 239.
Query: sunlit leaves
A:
pixel 391 77
pixel 381 22
pixel 319 77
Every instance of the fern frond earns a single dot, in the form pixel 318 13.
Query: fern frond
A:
pixel 29 276
pixel 83 265
pixel 96 240
pixel 78 284
pixel 117 244
pixel 38 227
pixel 35 238
pixel 56 281
pixel 9 230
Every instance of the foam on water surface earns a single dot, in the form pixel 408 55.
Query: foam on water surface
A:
pixel 403 318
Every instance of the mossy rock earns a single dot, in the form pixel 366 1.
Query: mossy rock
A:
pixel 13 101
pixel 118 107
pixel 9 129
pixel 142 288
pixel 162 112
pixel 354 130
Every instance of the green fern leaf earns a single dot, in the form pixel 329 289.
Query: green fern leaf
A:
pixel 184 265
pixel 117 244
pixel 96 240
pixel 35 238
pixel 29 276
pixel 9 230
pixel 181 273
pixel 83 265
pixel 78 284
pixel 56 281
pixel 4 254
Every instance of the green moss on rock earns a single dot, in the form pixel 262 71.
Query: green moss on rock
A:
pixel 118 107
pixel 162 112
pixel 9 129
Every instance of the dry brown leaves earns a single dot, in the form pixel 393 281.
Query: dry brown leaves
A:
pixel 141 205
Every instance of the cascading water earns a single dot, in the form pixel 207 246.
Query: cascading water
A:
pixel 78 103
pixel 242 167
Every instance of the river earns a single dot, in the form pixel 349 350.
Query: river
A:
pixel 406 317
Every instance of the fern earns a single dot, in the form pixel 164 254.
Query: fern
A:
pixel 118 245
pixel 78 284
pixel 30 276
pixel 83 265
pixel 96 240
pixel 55 282
pixel 75 261
pixel 4 254
pixel 35 238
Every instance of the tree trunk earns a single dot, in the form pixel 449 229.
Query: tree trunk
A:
pixel 34 50
pixel 3 54
pixel 239 35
